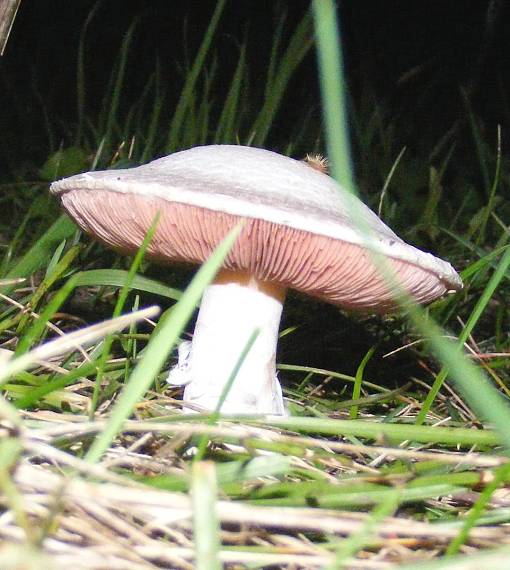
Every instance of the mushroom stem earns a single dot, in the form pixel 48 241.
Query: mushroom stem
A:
pixel 232 307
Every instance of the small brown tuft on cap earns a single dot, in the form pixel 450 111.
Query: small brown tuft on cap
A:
pixel 317 162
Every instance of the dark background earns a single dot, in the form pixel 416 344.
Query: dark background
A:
pixel 414 57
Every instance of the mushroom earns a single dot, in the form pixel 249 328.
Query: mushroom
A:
pixel 300 231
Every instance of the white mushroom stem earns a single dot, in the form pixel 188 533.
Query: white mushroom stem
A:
pixel 232 307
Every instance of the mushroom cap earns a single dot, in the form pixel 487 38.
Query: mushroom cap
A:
pixel 300 230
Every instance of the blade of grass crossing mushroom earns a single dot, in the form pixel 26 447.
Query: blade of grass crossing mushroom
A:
pixel 213 418
pixel 484 399
pixel 119 305
pixel 206 526
pixel 329 53
pixel 477 312
pixel 163 339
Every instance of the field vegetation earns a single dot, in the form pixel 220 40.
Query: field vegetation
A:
pixel 395 449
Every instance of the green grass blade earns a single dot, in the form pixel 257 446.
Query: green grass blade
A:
pixel 162 341
pixel 226 131
pixel 471 519
pixel 351 545
pixel 175 129
pixel 298 47
pixel 206 526
pixel 117 278
pixel 356 389
pixel 329 52
pixel 477 312
pixel 215 415
pixel 394 432
pixel 119 305
pixel 39 325
pixel 42 250
pixel 112 103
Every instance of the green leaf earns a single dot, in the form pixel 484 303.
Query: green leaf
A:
pixel 117 278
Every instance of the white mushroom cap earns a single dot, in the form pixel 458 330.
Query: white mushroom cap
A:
pixel 300 230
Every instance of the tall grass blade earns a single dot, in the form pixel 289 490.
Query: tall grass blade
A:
pixel 81 90
pixel 356 389
pixel 226 131
pixel 477 312
pixel 42 250
pixel 215 415
pixel 298 47
pixel 163 339
pixel 118 310
pixel 473 384
pixel 329 53
pixel 111 105
pixel 176 124
pixel 206 526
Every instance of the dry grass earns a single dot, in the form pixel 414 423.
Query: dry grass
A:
pixel 97 517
